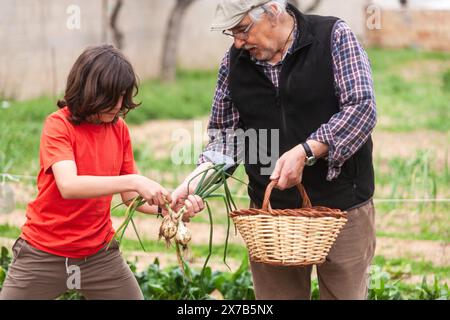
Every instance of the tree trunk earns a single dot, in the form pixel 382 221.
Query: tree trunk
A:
pixel 171 40
pixel 117 34
pixel 105 21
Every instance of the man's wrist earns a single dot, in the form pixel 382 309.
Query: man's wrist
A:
pixel 310 157
pixel 319 149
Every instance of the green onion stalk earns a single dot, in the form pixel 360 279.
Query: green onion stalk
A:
pixel 173 227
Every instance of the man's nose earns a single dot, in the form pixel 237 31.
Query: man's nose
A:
pixel 239 43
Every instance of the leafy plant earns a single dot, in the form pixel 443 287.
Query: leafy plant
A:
pixel 170 284
pixel 382 287
pixel 5 260
pixel 237 285
pixel 433 292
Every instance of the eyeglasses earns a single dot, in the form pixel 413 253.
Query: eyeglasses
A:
pixel 241 35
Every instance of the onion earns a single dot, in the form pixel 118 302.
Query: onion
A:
pixel 168 229
pixel 183 235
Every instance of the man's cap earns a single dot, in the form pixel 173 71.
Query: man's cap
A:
pixel 230 12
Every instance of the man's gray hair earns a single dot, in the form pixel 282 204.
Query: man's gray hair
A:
pixel 256 13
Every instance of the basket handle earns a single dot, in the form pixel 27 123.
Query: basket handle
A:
pixel 266 203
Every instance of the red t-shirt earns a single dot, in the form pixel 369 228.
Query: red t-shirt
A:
pixel 76 228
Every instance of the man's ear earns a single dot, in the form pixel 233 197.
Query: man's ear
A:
pixel 273 12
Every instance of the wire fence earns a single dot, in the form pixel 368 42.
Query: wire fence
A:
pixel 4 177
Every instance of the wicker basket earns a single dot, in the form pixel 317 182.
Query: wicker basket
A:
pixel 289 237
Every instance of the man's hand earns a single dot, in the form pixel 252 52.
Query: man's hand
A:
pixel 181 196
pixel 289 168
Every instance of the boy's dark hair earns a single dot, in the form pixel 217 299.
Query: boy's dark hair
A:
pixel 96 81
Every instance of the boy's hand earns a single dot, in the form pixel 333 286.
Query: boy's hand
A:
pixel 152 191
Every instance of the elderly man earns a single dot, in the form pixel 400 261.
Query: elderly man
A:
pixel 307 80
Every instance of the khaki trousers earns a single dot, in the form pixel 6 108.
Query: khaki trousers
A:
pixel 35 274
pixel 344 275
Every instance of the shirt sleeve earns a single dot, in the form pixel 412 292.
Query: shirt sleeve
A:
pixel 128 164
pixel 224 120
pixel 56 142
pixel 350 128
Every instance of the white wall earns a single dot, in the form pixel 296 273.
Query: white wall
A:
pixel 38 49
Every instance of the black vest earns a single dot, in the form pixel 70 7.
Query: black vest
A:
pixel 305 100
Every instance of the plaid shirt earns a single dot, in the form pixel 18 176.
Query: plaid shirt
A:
pixel 344 133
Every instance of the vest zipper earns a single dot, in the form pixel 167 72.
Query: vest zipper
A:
pixel 283 116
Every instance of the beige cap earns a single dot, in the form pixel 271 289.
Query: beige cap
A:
pixel 230 12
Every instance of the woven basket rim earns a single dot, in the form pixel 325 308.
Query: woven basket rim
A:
pixel 313 212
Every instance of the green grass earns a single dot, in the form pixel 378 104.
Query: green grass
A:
pixel 446 80
pixel 431 236
pixel 401 266
pixel 422 102
pixel 418 176
pixel 234 251
pixel 403 104
pixel 162 170
pixel 8 231
pixel 189 97
pixel 21 123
